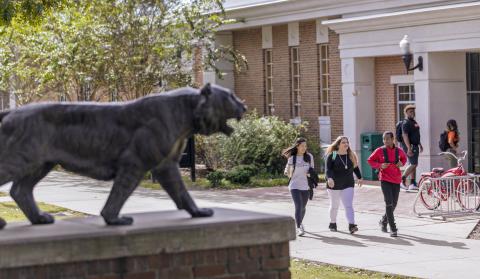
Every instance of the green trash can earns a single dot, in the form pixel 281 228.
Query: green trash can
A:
pixel 369 142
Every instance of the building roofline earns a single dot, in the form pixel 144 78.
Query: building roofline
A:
pixel 405 18
pixel 254 5
pixel 280 12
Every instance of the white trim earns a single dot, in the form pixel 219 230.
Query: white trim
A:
pixel 253 5
pixel 406 18
pixel 399 103
pixel 296 121
pixel 293 34
pixel 401 79
pixel 300 10
pixel 13 100
pixel 439 37
pixel 322 32
pixel 267 41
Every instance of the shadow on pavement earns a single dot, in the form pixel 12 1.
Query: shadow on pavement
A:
pixel 387 239
pixel 436 242
pixel 333 240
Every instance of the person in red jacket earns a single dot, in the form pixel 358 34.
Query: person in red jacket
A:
pixel 388 159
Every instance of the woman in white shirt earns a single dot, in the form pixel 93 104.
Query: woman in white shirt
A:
pixel 299 161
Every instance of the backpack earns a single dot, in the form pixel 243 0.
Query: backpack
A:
pixel 385 155
pixel 399 131
pixel 443 142
pixel 295 164
pixel 312 179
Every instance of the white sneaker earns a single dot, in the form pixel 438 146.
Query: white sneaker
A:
pixel 301 230
pixel 412 187
pixel 403 186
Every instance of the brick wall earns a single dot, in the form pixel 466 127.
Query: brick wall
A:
pixel 281 72
pixel 309 80
pixel 385 94
pixel 249 84
pixel 269 261
pixel 336 97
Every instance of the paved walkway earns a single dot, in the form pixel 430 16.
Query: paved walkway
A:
pixel 425 248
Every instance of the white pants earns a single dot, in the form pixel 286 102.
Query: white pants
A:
pixel 346 196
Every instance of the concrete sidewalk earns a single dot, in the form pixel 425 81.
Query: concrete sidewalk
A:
pixel 425 248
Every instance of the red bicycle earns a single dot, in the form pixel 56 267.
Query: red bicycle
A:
pixel 439 185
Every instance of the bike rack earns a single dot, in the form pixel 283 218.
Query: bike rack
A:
pixel 451 197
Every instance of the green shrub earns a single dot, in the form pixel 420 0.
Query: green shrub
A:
pixel 255 141
pixel 241 174
pixel 208 152
pixel 317 152
pixel 215 178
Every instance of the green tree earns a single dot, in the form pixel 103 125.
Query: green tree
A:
pixel 92 49
pixel 30 11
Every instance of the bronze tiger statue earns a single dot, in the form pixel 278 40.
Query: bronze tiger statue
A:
pixel 111 141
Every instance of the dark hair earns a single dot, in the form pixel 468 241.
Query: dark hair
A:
pixel 292 150
pixel 389 133
pixel 453 125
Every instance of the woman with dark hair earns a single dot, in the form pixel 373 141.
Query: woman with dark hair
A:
pixel 342 162
pixel 299 161
pixel 453 139
pixel 388 159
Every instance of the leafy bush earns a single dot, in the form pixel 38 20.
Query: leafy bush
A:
pixel 255 141
pixel 215 178
pixel 241 174
pixel 207 151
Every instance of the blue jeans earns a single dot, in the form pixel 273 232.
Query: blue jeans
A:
pixel 300 199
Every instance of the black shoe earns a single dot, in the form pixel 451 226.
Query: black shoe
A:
pixel 383 226
pixel 393 234
pixel 333 227
pixel 352 228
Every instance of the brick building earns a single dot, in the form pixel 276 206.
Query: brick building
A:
pixel 337 64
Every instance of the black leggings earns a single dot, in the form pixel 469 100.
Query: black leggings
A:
pixel 391 192
pixel 300 199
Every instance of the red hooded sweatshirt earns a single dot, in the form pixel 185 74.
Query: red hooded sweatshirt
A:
pixel 392 173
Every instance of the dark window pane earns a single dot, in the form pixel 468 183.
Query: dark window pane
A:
pixel 475 103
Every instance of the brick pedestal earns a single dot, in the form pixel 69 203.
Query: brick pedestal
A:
pixel 232 244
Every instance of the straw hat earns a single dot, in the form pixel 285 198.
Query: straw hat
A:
pixel 408 107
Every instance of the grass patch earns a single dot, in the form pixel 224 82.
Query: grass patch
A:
pixel 301 269
pixel 204 184
pixel 261 180
pixel 10 211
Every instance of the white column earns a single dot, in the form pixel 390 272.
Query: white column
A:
pixel 358 89
pixel 11 94
pixel 224 38
pixel 440 92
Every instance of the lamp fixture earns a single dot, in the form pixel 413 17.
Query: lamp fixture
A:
pixel 407 55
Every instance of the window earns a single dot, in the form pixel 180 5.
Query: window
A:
pixel 295 81
pixel 473 112
pixel 62 97
pixel 114 95
pixel 268 76
pixel 405 96
pixel 4 100
pixel 324 75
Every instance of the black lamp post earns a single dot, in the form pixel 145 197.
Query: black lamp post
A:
pixel 407 55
